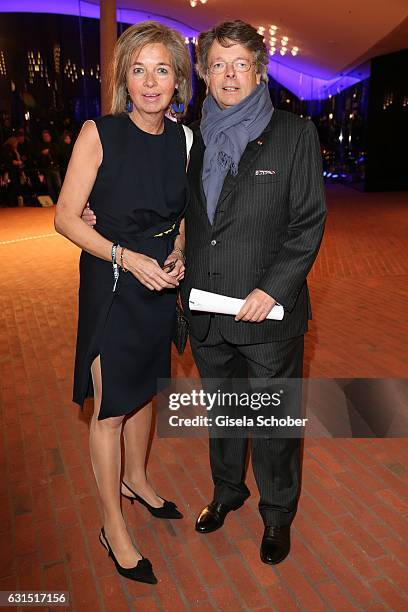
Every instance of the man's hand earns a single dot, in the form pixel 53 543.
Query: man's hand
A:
pixel 256 307
pixel 88 216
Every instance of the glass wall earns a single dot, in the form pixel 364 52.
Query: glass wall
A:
pixel 50 77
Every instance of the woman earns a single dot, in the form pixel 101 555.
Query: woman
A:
pixel 130 166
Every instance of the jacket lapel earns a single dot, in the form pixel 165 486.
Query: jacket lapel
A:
pixel 196 167
pixel 248 158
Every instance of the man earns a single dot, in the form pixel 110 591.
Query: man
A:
pixel 253 230
pixel 23 146
pixel 48 162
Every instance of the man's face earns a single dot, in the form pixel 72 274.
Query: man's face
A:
pixel 230 87
pixel 46 137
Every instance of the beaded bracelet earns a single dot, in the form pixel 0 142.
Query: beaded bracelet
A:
pixel 115 266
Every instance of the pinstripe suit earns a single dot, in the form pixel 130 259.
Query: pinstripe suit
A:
pixel 266 234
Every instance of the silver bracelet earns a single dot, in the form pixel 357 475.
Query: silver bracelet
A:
pixel 115 266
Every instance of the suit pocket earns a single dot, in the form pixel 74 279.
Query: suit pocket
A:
pixel 266 178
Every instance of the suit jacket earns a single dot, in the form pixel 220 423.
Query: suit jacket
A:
pixel 266 233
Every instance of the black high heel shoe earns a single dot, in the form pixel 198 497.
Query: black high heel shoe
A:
pixel 168 510
pixel 142 572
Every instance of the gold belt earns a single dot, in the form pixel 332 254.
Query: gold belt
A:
pixel 165 232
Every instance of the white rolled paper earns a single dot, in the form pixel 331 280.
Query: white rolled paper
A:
pixel 205 301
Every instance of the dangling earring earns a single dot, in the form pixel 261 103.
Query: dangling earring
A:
pixel 177 106
pixel 129 103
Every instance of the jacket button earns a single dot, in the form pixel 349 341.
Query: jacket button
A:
pixel 213 242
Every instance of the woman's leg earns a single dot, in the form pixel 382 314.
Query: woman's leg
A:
pixel 136 432
pixel 104 443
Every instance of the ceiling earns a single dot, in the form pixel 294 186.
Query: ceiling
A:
pixel 336 38
pixel 333 35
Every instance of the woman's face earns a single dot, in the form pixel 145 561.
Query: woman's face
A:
pixel 151 79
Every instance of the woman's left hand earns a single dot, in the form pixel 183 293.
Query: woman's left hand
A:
pixel 179 268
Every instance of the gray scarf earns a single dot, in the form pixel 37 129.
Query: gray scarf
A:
pixel 226 134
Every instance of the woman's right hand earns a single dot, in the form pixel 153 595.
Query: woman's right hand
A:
pixel 88 216
pixel 148 271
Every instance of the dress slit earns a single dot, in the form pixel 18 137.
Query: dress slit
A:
pixel 95 349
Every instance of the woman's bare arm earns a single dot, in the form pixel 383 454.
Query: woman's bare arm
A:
pixel 80 178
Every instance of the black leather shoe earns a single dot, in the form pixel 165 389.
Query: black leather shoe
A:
pixel 275 544
pixel 212 517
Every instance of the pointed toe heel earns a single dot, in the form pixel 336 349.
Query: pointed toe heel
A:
pixel 167 511
pixel 142 572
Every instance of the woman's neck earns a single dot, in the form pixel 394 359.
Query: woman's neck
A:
pixel 153 123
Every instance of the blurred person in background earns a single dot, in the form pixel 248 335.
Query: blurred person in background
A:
pixel 48 154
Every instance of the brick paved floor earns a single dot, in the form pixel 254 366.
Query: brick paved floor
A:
pixel 349 535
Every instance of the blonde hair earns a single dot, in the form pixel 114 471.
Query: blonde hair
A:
pixel 134 39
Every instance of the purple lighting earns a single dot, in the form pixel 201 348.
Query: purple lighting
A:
pixel 62 7
pixel 308 87
pixel 303 84
pixel 88 9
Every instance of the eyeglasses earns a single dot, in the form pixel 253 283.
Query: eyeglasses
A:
pixel 239 66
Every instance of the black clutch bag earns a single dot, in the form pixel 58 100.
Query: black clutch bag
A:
pixel 181 330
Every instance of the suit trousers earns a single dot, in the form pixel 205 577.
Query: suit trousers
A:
pixel 275 461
